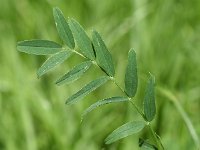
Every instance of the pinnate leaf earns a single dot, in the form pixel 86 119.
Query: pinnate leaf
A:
pixel 131 78
pixel 53 61
pixel 38 47
pixel 124 131
pixel 63 28
pixel 75 73
pixel 116 99
pixel 83 41
pixel 103 56
pixel 87 89
pixel 149 100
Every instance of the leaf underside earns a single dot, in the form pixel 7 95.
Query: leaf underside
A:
pixel 131 78
pixel 93 85
pixel 53 61
pixel 63 28
pixel 124 131
pixel 103 56
pixel 38 47
pixel 99 103
pixel 82 40
pixel 149 100
pixel 75 73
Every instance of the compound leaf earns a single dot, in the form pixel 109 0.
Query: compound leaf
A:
pixel 116 99
pixel 38 47
pixel 75 73
pixel 124 131
pixel 131 78
pixel 103 56
pixel 93 85
pixel 53 61
pixel 149 99
pixel 82 40
pixel 63 28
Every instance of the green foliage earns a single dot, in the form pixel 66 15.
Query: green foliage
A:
pixel 75 73
pixel 149 99
pixel 125 130
pixel 82 40
pixel 131 78
pixel 63 28
pixel 38 47
pixel 99 103
pixel 99 55
pixel 103 56
pixel 37 119
pixel 87 89
pixel 53 61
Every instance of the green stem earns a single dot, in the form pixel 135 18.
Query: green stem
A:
pixel 114 81
pixel 133 104
pixel 78 53
pixel 157 140
pixel 137 108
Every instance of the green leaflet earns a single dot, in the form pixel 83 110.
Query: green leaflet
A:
pixel 144 145
pixel 53 61
pixel 38 47
pixel 63 28
pixel 82 40
pixel 149 100
pixel 75 73
pixel 131 78
pixel 104 102
pixel 103 56
pixel 124 131
pixel 93 85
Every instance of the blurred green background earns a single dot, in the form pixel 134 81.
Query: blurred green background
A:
pixel 165 35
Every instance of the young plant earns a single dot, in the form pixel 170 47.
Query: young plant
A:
pixel 96 53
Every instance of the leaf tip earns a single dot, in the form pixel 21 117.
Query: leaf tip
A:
pixel 57 83
pixel 68 102
pixel 56 9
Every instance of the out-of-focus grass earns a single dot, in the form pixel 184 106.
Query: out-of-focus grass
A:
pixel 165 35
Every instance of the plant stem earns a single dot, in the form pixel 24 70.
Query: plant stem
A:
pixel 157 140
pixel 114 81
pixel 134 105
pixel 137 108
pixel 78 53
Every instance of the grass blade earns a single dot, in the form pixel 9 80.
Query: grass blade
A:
pixel 38 47
pixel 186 118
pixel 149 100
pixel 93 85
pixel 53 61
pixel 103 56
pixel 75 73
pixel 63 28
pixel 83 41
pixel 131 78
pixel 124 131
pixel 104 102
